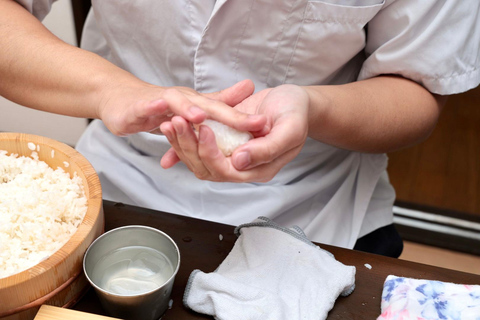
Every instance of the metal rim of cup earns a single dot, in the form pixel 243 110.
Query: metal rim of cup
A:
pixel 117 230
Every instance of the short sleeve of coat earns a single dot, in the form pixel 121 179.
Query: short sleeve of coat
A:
pixel 39 8
pixel 435 43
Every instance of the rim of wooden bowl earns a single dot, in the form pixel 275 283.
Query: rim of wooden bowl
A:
pixel 87 231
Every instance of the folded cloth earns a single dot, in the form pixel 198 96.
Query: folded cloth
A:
pixel 272 273
pixel 406 298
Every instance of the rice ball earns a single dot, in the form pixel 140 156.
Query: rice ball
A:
pixel 227 138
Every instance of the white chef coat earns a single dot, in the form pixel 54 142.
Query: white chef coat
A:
pixel 335 195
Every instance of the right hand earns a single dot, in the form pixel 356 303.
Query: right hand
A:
pixel 286 109
pixel 127 109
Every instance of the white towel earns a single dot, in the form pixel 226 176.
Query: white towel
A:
pixel 271 273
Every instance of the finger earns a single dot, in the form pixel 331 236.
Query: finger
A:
pixel 180 105
pixel 219 167
pixel 143 109
pixel 208 150
pixel 241 121
pixel 234 94
pixel 267 171
pixel 168 130
pixel 238 120
pixel 195 109
pixel 188 144
pixel 266 149
pixel 222 169
pixel 169 159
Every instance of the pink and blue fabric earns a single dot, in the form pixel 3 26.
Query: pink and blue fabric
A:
pixel 416 299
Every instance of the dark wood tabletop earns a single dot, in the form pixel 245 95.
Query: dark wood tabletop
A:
pixel 201 248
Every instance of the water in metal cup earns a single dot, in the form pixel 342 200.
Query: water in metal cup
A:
pixel 132 270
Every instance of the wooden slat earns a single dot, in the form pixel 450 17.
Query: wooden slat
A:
pixel 47 312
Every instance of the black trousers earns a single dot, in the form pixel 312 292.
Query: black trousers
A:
pixel 385 241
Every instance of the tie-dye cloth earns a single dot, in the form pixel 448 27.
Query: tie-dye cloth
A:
pixel 406 298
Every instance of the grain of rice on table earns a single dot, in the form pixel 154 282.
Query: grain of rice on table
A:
pixel 40 209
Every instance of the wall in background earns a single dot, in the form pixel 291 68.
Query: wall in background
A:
pixel 16 118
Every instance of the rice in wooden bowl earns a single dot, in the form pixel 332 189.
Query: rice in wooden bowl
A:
pixel 46 228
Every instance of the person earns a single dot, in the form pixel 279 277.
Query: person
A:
pixel 327 88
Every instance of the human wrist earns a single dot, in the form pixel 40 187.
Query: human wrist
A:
pixel 320 102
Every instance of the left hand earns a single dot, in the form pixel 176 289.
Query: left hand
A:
pixel 260 159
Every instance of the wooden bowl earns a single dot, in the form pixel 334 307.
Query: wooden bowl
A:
pixel 58 280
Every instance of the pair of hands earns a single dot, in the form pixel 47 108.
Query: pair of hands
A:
pixel 277 118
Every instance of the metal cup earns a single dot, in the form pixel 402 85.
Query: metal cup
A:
pixel 149 305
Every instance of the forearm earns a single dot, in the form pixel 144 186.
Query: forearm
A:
pixel 377 115
pixel 40 71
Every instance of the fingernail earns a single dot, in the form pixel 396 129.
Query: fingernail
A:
pixel 194 111
pixel 241 160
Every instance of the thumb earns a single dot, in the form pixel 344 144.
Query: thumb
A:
pixel 234 94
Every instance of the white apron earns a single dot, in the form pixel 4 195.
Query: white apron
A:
pixel 335 195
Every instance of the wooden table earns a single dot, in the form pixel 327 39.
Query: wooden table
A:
pixel 201 248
